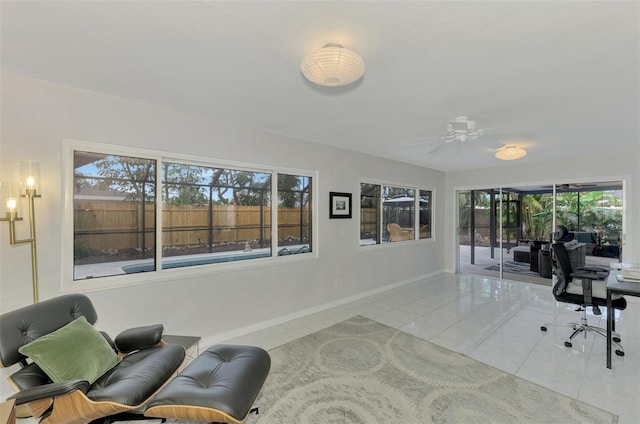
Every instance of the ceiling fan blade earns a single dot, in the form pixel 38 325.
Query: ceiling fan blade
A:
pixel 419 140
pixel 492 144
pixel 571 186
pixel 490 128
pixel 435 149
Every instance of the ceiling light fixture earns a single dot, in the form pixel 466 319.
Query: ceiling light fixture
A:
pixel 332 66
pixel 511 153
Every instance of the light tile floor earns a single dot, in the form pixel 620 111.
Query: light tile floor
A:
pixel 498 322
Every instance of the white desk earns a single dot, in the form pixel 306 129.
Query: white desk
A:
pixel 621 287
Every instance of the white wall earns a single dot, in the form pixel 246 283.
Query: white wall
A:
pixel 620 166
pixel 37 115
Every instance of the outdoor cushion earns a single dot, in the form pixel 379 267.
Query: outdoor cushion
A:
pixel 521 253
pixel 75 351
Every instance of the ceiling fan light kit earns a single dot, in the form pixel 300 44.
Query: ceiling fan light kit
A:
pixel 511 153
pixel 332 66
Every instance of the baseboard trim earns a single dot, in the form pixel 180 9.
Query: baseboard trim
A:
pixel 217 338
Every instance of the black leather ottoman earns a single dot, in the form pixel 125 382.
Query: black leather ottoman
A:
pixel 220 385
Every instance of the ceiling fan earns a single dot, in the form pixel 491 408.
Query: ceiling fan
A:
pixel 573 186
pixel 462 129
pixel 567 186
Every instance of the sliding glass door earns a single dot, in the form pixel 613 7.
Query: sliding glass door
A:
pixel 480 232
pixel 537 229
pixel 507 232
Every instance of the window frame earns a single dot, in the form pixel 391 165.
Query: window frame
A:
pixel 416 218
pixel 69 146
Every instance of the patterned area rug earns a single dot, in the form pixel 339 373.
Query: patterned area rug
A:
pixel 513 267
pixel 363 372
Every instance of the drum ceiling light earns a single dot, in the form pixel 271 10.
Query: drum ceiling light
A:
pixel 511 153
pixel 332 66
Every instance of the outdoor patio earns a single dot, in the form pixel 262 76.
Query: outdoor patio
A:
pixel 484 260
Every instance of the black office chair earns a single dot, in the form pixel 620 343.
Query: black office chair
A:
pixel 586 286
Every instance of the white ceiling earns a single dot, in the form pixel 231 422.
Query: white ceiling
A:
pixel 563 76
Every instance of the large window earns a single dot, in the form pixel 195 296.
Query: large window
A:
pixel 388 214
pixel 126 205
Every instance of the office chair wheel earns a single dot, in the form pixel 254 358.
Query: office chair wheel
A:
pixel 568 344
pixel 619 352
pixel 616 339
pixel 543 328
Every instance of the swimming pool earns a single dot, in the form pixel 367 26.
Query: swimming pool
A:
pixel 132 269
pixel 239 256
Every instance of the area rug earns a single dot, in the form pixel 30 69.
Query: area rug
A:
pixel 513 267
pixel 363 372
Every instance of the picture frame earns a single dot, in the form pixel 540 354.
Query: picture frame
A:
pixel 340 205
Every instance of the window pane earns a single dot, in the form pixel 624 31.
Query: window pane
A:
pixel 294 214
pixel 425 214
pixel 593 217
pixel 114 214
pixel 398 208
pixel 212 215
pixel 369 214
pixel 567 209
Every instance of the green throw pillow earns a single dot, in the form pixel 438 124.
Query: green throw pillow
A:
pixel 75 351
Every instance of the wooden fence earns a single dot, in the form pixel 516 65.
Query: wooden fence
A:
pixel 368 222
pixel 118 225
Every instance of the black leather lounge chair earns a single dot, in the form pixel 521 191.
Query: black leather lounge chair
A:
pixel 72 374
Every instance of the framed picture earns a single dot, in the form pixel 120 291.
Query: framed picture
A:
pixel 340 204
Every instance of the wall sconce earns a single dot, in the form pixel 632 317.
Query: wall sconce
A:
pixel 27 188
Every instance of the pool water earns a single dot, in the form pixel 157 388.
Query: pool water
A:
pixel 132 269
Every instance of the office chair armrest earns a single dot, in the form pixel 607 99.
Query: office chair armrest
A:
pixel 586 278
pixel 49 390
pixel 139 338
pixel 594 268
pixel 589 275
